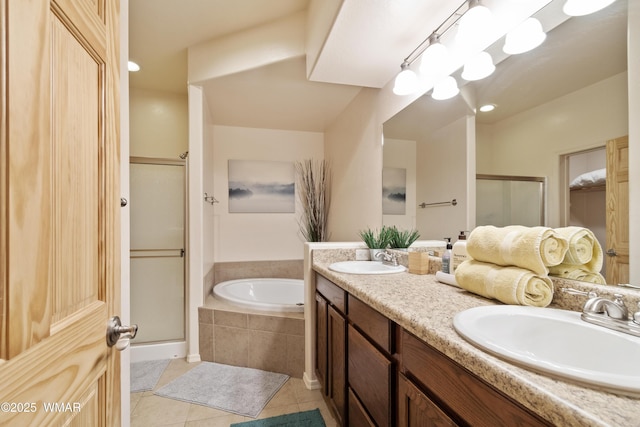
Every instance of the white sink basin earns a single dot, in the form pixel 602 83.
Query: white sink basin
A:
pixel 365 267
pixel 555 342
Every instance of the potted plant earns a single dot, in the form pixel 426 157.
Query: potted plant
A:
pixel 376 240
pixel 402 239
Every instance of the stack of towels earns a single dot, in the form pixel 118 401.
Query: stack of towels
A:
pixel 512 264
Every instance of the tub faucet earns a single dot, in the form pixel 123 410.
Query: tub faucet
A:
pixel 387 258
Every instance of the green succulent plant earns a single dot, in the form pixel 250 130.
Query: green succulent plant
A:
pixel 402 238
pixel 376 239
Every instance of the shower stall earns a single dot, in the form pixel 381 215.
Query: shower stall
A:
pixel 157 281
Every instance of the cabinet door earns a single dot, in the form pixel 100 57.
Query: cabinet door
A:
pixel 321 342
pixel 370 376
pixel 415 409
pixel 336 363
pixel 358 416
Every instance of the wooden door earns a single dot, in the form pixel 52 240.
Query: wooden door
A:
pixel 59 212
pixel 617 250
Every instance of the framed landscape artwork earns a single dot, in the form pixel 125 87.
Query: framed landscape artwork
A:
pixel 257 186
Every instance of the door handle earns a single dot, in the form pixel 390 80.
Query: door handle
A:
pixel 119 335
pixel 612 252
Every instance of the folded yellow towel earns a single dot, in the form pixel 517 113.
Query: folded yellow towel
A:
pixel 511 285
pixel 584 248
pixel 577 272
pixel 532 248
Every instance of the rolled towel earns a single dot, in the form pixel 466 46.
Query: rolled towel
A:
pixel 532 248
pixel 511 285
pixel 577 272
pixel 584 249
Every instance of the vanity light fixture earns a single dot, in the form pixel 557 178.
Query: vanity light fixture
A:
pixel 406 81
pixel 445 88
pixel 524 37
pixel 475 25
pixel 584 7
pixel 435 59
pixel 133 67
pixel 478 66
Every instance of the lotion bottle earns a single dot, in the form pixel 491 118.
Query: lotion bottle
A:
pixel 446 257
pixel 459 252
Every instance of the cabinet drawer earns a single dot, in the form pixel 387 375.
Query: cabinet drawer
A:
pixel 333 293
pixel 465 395
pixel 370 376
pixel 377 327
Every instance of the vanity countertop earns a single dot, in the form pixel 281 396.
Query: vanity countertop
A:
pixel 426 307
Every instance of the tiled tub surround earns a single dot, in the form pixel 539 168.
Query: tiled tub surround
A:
pixel 245 337
pixel 426 308
pixel 256 339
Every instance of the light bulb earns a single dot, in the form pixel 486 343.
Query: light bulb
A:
pixel 475 26
pixel 445 88
pixel 132 66
pixel 406 82
pixel 435 60
pixel 524 37
pixel 584 7
pixel 479 66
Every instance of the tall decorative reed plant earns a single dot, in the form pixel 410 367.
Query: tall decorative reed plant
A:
pixel 314 192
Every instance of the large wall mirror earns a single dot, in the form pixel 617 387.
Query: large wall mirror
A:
pixel 556 106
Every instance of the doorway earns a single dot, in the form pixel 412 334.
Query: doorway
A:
pixel 587 192
pixel 157 257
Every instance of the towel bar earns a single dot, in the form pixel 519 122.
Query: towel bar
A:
pixel 452 203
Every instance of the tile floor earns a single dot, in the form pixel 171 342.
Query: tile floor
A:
pixel 149 410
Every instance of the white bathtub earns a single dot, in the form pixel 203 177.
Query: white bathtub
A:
pixel 263 294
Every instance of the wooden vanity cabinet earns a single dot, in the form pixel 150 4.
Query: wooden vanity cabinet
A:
pixel 331 353
pixel 375 373
pixel 460 395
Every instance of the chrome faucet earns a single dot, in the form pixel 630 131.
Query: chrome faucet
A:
pixel 387 258
pixel 612 314
pixel 614 309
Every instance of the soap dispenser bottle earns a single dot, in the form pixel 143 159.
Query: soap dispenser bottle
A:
pixel 459 252
pixel 446 257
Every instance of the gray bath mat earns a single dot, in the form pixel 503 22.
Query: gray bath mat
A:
pixel 242 391
pixel 145 375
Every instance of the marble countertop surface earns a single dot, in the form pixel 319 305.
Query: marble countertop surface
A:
pixel 426 307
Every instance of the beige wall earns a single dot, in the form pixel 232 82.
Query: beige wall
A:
pixel 158 123
pixel 531 143
pixel 353 145
pixel 256 236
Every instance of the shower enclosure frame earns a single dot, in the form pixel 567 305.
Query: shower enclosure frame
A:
pixel 178 347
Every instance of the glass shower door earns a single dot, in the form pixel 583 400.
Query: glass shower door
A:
pixel 157 249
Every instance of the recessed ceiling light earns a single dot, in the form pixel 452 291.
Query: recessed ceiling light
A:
pixel 132 66
pixel 487 107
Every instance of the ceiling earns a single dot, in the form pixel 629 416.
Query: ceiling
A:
pixel 363 46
